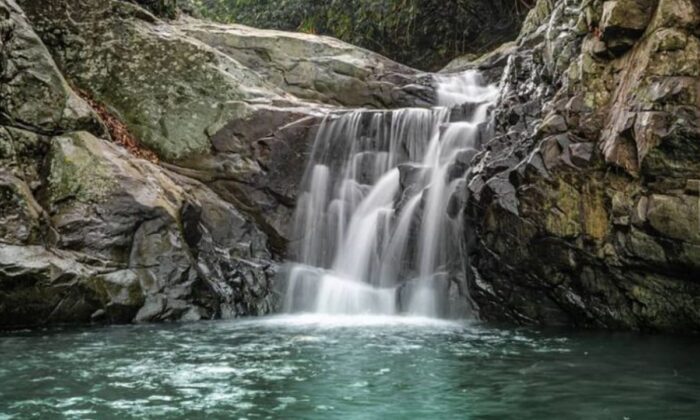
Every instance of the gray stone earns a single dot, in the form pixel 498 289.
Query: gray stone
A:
pixel 593 243
pixel 624 21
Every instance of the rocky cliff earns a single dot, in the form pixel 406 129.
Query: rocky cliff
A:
pixel 586 204
pixel 148 167
pixel 149 163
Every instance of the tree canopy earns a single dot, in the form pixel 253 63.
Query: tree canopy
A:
pixel 425 34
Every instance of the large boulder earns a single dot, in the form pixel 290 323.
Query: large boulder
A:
pixel 90 231
pixel 177 85
pixel 585 204
pixel 314 68
pixel 211 99
pixel 38 285
pixel 33 93
pixel 141 244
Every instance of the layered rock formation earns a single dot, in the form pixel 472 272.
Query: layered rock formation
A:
pixel 584 209
pixel 92 232
pixel 586 204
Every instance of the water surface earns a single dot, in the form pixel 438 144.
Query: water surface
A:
pixel 345 367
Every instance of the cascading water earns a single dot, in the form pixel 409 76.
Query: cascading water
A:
pixel 375 232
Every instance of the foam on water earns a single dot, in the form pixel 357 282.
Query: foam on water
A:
pixel 315 366
pixel 353 321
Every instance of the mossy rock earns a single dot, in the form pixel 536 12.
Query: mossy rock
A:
pixel 77 173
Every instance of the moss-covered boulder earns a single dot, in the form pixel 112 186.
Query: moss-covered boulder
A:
pixel 210 99
pixel 33 92
pixel 128 241
pixel 176 85
pixel 109 206
pixel 91 233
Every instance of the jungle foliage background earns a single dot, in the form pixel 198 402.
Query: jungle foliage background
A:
pixel 425 34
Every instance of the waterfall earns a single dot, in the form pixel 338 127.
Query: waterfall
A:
pixel 373 226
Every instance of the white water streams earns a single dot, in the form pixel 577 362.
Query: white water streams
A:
pixel 375 234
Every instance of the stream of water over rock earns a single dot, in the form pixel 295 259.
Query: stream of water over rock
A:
pixel 377 221
pixel 380 237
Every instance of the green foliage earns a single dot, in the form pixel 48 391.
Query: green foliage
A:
pixel 164 8
pixel 423 33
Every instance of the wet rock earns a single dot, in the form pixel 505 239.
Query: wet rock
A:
pixel 461 164
pixel 22 220
pixel 676 217
pixel 581 153
pixel 38 287
pixel 583 241
pixel 229 111
pixel 491 64
pixel 553 123
pixel 409 175
pixel 458 200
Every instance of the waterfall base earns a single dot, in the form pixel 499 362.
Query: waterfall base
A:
pixel 315 290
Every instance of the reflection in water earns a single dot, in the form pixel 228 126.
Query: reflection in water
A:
pixel 346 367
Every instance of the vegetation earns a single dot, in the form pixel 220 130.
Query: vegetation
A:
pixel 165 8
pixel 423 33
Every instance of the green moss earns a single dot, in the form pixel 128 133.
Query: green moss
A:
pixel 121 287
pixel 169 110
pixel 537 16
pixel 562 217
pixel 574 210
pixel 77 173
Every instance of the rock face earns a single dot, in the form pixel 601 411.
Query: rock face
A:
pixel 91 233
pixel 211 99
pixel 586 204
pixel 583 210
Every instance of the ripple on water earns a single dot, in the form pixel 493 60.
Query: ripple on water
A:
pixel 365 367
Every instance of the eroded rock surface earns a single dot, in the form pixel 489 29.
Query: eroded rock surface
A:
pixel 90 232
pixel 585 204
pixel 583 210
pixel 211 99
